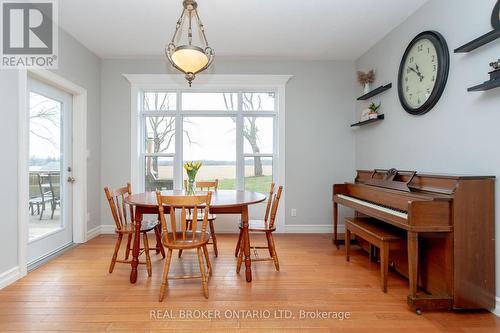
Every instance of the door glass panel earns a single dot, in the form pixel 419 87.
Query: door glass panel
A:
pixel 213 142
pixel 258 174
pixel 45 164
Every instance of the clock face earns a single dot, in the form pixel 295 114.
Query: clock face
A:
pixel 423 72
pixel 420 71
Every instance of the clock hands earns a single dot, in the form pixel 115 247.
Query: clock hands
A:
pixel 417 71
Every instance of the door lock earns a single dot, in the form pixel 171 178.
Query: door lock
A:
pixel 71 179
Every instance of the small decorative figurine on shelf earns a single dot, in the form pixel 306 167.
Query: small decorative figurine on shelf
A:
pixel 495 73
pixel 365 79
pixel 373 110
pixel 365 115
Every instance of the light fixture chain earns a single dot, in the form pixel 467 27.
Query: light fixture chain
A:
pixel 190 31
pixel 178 26
pixel 202 28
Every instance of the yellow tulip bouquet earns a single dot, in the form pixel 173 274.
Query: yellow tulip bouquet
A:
pixel 191 170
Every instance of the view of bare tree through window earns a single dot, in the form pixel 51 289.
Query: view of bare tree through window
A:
pixel 209 139
pixel 160 138
pixel 258 179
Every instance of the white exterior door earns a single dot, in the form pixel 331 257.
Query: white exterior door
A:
pixel 50 177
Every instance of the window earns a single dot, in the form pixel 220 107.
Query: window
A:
pixel 234 134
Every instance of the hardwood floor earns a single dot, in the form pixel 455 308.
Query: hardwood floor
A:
pixel 74 292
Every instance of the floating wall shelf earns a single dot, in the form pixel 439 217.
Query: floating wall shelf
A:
pixel 478 42
pixel 486 85
pixel 375 92
pixel 361 123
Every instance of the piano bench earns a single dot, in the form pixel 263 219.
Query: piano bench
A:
pixel 376 234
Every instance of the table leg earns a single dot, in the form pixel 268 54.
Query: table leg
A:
pixel 135 249
pixel 246 243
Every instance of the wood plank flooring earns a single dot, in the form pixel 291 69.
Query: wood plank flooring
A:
pixel 74 292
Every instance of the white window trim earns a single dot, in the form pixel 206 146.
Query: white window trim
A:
pixel 209 82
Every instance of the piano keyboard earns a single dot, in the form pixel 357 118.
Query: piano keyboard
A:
pixel 375 206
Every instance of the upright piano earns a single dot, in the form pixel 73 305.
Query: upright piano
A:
pixel 450 226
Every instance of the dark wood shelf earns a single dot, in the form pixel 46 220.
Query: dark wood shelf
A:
pixel 375 92
pixel 361 123
pixel 486 85
pixel 478 42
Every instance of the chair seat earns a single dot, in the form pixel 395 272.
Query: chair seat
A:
pixel 145 227
pixel 211 217
pixel 36 200
pixel 188 243
pixel 257 225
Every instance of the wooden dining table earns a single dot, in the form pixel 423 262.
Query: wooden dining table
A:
pixel 223 202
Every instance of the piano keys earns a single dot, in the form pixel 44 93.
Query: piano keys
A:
pixel 449 222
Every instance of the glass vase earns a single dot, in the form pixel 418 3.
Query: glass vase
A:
pixel 191 187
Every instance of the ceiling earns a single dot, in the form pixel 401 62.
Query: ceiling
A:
pixel 299 29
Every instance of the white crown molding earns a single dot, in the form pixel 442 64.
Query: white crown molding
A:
pixel 220 80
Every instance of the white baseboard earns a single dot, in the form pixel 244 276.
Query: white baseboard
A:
pixel 109 229
pixel 312 228
pixel 9 276
pixel 496 310
pixel 106 229
pixel 94 232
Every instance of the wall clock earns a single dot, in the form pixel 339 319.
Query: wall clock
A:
pixel 423 72
pixel 495 16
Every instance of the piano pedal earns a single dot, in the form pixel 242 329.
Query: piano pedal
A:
pixel 418 311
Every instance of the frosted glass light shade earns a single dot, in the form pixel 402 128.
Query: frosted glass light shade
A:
pixel 190 59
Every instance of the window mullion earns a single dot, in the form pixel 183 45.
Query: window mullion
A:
pixel 240 161
pixel 179 124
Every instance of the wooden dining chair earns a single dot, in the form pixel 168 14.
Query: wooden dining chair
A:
pixel 123 215
pixel 262 226
pixel 179 237
pixel 205 186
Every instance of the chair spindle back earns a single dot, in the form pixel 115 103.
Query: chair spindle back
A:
pixel 274 209
pixel 211 185
pixel 116 199
pixel 269 202
pixel 194 203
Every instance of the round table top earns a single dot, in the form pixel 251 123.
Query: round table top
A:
pixel 220 198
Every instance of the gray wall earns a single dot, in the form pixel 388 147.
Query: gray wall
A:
pixel 76 64
pixel 8 168
pixel 460 135
pixel 82 67
pixel 319 106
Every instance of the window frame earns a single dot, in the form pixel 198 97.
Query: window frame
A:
pixel 208 83
pixel 180 115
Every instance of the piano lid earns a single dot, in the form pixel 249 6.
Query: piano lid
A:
pixel 434 183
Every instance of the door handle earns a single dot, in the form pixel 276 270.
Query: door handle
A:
pixel 71 179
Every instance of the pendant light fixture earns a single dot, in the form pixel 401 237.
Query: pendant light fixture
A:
pixel 188 58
